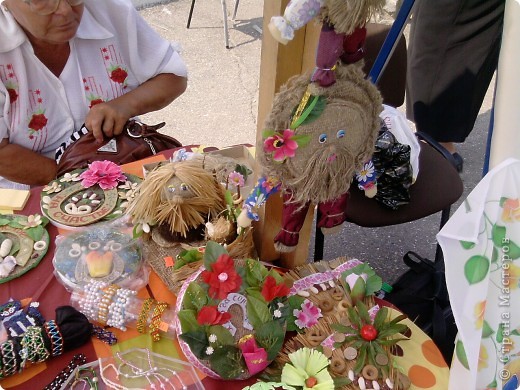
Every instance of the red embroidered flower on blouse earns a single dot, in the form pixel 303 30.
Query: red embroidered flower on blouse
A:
pixel 118 75
pixel 222 278
pixel 13 95
pixel 270 290
pixel 95 101
pixel 209 315
pixel 38 122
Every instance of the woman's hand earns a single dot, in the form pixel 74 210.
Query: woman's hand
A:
pixel 109 118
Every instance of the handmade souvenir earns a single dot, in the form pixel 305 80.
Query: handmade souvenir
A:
pixel 232 315
pixel 70 330
pixel 315 141
pixel 16 319
pixel 23 243
pixel 104 253
pixel 86 196
pixel 136 368
pixel 348 340
pixel 109 304
pixel 181 205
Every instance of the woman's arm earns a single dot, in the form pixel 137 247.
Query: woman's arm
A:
pixel 110 117
pixel 25 166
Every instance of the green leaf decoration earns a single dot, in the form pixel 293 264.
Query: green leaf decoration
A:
pixel 4 221
pixel 227 361
pixel 339 382
pixel 343 328
pixel 276 275
pixel 492 385
pixel 301 139
pixel 500 333
pixel 494 255
pixel 498 234
pixel 312 111
pixel 461 354
pixel 270 336
pixel 515 332
pixel 295 302
pixel 514 250
pixel 198 342
pixel 487 331
pixel 380 317
pixel 243 170
pixel 363 311
pixel 257 311
pixel 361 358
pixel 502 201
pixel 195 297
pixel 267 133
pixel 353 316
pixel 137 231
pixel 15 248
pixel 186 257
pixel 36 233
pixel 476 269
pixel 255 273
pixel 467 244
pixel 188 320
pixel 224 336
pixel 212 253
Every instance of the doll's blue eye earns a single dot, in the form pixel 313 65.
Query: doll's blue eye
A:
pixel 171 188
pixel 341 133
pixel 184 187
pixel 322 139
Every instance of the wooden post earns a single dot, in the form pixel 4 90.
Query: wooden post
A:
pixel 278 63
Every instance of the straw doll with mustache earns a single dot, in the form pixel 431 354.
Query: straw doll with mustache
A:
pixel 316 140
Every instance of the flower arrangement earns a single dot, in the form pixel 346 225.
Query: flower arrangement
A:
pixel 233 314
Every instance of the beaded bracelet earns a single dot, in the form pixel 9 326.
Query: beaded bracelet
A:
pixel 55 337
pixel 156 320
pixel 62 377
pixel 33 346
pixel 104 335
pixel 105 302
pixel 143 315
pixel 89 381
pixel 9 361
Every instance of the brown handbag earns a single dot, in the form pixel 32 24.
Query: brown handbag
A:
pixel 137 141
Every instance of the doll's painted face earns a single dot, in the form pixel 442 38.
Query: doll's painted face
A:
pixel 336 149
pixel 176 190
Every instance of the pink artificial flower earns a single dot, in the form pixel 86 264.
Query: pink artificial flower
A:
pixel 281 145
pixel 105 173
pixel 255 357
pixel 236 179
pixel 308 315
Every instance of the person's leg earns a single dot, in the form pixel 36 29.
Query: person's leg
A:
pixel 453 53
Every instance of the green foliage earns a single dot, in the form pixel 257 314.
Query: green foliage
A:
pixel 227 361
pixel 467 244
pixel 212 253
pixel 270 336
pixel 461 354
pixel 224 336
pixel 373 282
pixel 188 320
pixel 197 341
pixel 195 297
pixel 257 311
pixel 186 257
pixel 476 268
pixel 487 331
pixel 243 170
pixel 255 273
pixel 36 233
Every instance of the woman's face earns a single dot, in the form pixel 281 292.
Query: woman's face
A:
pixel 56 28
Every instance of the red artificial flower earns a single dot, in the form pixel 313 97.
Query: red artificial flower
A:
pixel 38 122
pixel 270 290
pixel 96 101
pixel 118 75
pixel 209 315
pixel 13 95
pixel 222 279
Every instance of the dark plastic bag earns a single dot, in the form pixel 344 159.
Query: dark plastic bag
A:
pixel 393 170
pixel 422 295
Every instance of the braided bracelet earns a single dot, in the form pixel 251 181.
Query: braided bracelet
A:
pixel 156 320
pixel 8 358
pixel 55 337
pixel 143 315
pixel 33 346
pixel 105 302
pixel 62 377
pixel 89 382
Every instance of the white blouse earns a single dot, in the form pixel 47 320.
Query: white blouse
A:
pixel 113 52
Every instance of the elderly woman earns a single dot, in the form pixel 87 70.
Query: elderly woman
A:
pixel 68 62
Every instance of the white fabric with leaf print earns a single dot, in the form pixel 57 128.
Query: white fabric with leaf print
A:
pixel 481 246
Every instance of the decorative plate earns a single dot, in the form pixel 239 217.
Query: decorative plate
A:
pixel 23 243
pixel 73 201
pixel 93 254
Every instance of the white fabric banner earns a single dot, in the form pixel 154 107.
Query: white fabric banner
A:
pixel 506 140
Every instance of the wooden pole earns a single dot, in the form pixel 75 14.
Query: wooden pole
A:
pixel 278 63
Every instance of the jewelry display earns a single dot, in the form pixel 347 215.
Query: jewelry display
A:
pixel 55 337
pixel 33 346
pixel 104 335
pixel 64 374
pixel 158 311
pixel 143 315
pixel 141 368
pixel 121 308
pixel 9 361
pixel 87 377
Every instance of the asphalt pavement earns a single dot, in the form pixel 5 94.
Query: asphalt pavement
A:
pixel 219 108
